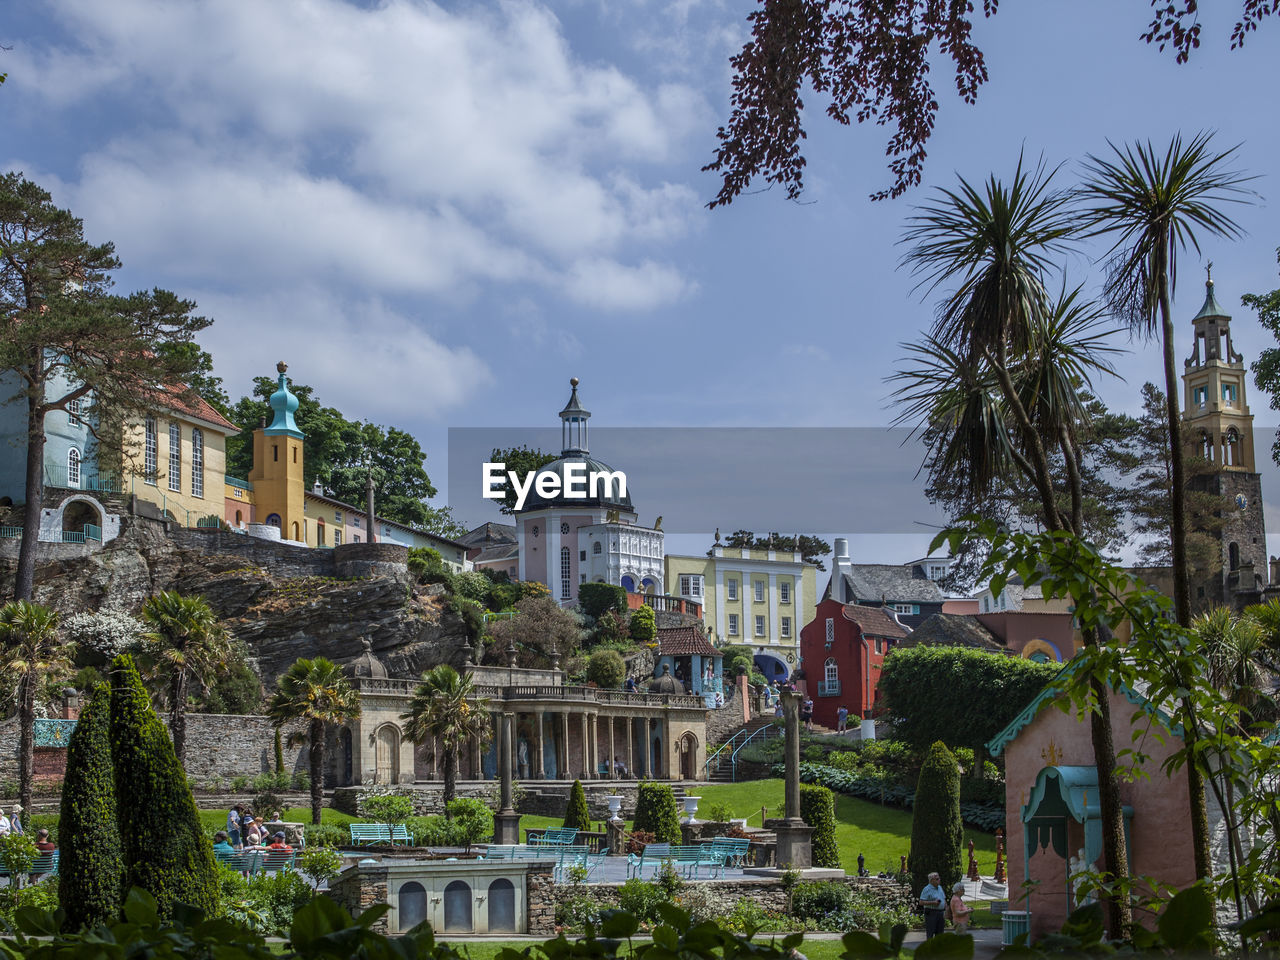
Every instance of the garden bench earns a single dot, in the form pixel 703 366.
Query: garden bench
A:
pixel 733 849
pixel 518 851
pixel 400 834
pixel 568 856
pixel 557 837
pixel 694 856
pixel 245 862
pixel 368 833
pixel 272 861
pixel 587 860
pixel 653 853
pixel 46 863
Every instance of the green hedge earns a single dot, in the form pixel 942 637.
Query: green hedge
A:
pixel 162 842
pixel 936 832
pixel 818 810
pixel 90 870
pixel 597 599
pixel 576 815
pixel 656 812
pixel 986 817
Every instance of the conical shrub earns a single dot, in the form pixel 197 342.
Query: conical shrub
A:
pixel 818 810
pixel 936 832
pixel 162 842
pixel 656 812
pixel 576 814
pixel 90 871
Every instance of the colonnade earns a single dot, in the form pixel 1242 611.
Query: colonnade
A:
pixel 598 738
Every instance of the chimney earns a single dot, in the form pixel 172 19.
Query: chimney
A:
pixel 840 565
pixel 1275 570
pixel 70 704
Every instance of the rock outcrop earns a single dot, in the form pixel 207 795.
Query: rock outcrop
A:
pixel 283 602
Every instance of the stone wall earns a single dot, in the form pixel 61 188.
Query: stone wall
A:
pixel 540 900
pixel 359 889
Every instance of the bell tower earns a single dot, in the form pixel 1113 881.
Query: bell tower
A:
pixel 1218 428
pixel 278 463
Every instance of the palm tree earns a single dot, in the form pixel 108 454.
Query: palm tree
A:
pixel 316 692
pixel 32 652
pixel 186 641
pixel 1154 205
pixel 445 707
pixel 999 379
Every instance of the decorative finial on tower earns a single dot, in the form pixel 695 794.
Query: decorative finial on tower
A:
pixel 717 534
pixel 282 367
pixel 573 381
pixel 1208 274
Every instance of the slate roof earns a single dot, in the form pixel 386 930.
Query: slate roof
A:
pixel 684 642
pixel 498 551
pixel 874 621
pixel 954 630
pixel 489 533
pixel 890 582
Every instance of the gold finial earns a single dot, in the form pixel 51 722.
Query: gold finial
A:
pixel 573 381
pixel 281 367
pixel 1052 754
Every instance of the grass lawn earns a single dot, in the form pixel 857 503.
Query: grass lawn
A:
pixel 880 834
pixel 217 819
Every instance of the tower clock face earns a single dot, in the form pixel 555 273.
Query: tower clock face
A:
pixel 1241 501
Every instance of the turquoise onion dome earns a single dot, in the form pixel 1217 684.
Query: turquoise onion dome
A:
pixel 283 405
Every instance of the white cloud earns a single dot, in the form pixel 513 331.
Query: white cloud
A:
pixel 361 356
pixel 608 285
pixel 398 147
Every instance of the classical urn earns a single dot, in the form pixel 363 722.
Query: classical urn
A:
pixel 690 808
pixel 615 805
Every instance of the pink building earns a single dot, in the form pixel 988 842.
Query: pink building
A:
pixel 1053 813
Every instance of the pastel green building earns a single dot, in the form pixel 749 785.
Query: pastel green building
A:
pixel 755 598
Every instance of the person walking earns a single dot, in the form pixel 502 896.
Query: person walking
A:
pixel 960 911
pixel 842 719
pixel 806 714
pixel 233 824
pixel 15 822
pixel 934 900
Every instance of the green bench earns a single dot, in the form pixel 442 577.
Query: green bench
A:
pixel 558 837
pixel 246 861
pixel 44 865
pixel 364 834
pixel 733 849
pixel 693 857
pixel 653 854
pixel 519 851
pixel 578 857
pixel 273 861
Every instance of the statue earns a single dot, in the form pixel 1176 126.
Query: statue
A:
pixel 522 757
pixel 657 524
pixel 1078 870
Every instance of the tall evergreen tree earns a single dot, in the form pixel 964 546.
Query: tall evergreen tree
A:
pixel 936 830
pixel 162 840
pixel 576 814
pixel 65 338
pixel 90 871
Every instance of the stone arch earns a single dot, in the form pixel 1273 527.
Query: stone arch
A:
pixel 628 583
pixel 649 585
pixel 1041 648
pixel 688 745
pixel 296 531
pixel 773 667
pixel 79 511
pixel 1233 556
pixel 457 908
pixel 502 906
pixel 386 752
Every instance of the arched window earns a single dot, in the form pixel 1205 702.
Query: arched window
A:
pixel 1231 448
pixel 197 462
pixel 628 584
pixel 565 573
pixel 412 905
pixel 1206 445
pixel 239 519
pixel 457 907
pixel 175 457
pixel 319 533
pixel 1233 556
pixel 502 906
pixel 831 672
pixel 73 468
pixel 596 548
pixel 274 520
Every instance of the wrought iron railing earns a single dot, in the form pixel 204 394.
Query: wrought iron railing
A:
pixel 828 688
pixel 10 533
pixel 237 482
pixel 93 532
pixel 56 475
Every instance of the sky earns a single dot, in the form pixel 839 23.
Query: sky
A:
pixel 438 213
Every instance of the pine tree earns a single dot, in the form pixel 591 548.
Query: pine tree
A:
pixel 162 840
pixel 576 815
pixel 935 820
pixel 90 872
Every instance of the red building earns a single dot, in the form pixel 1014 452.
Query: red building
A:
pixel 842 651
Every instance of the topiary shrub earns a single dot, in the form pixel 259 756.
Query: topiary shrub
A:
pixel 644 626
pixel 818 810
pixel 575 814
pixel 161 839
pixel 936 832
pixel 390 808
pixel 656 812
pixel 606 669
pixel 91 873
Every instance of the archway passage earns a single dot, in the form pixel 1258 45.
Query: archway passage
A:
pixel 688 757
pixel 773 668
pixel 502 906
pixel 628 584
pixel 81 521
pixel 457 908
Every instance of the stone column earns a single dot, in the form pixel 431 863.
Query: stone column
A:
pixel 609 754
pixel 586 746
pixel 564 729
pixel 506 822
pixel 539 771
pixel 795 850
pixel 631 747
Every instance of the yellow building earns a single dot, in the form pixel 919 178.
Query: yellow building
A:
pixel 756 598
pixel 277 466
pixel 178 458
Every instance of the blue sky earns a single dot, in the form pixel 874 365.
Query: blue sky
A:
pixel 439 213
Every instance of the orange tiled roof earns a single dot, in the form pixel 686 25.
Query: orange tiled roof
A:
pixel 684 642
pixel 196 407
